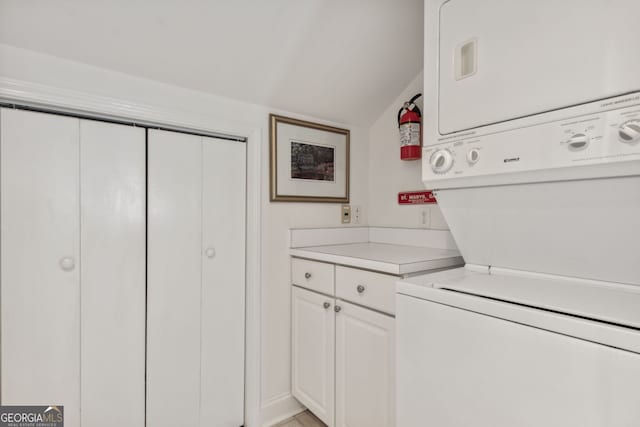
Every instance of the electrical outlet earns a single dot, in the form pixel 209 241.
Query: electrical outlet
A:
pixel 425 217
pixel 345 214
pixel 357 214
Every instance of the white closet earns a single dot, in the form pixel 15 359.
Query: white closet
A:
pixel 196 270
pixel 73 267
pixel 106 261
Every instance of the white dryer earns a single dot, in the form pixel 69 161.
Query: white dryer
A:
pixel 537 173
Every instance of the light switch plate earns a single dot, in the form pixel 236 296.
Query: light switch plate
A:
pixel 345 214
pixel 357 214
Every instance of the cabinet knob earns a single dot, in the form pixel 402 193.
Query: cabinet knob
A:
pixel 210 252
pixel 67 263
pixel 307 275
pixel 326 305
pixel 337 308
pixel 360 289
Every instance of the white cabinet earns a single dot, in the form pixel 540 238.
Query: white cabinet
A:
pixel 195 303
pixel 365 377
pixel 343 366
pixel 73 271
pixel 313 352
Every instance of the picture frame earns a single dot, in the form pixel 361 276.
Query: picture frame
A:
pixel 309 162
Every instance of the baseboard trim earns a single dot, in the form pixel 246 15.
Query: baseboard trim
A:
pixel 279 408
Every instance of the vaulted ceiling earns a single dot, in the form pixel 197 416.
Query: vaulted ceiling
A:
pixel 340 60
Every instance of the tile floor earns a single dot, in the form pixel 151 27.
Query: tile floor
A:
pixel 304 419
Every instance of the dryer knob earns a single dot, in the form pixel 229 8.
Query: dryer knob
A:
pixel 441 161
pixel 473 156
pixel 629 132
pixel 578 141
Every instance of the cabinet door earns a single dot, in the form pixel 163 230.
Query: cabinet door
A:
pixel 40 233
pixel 223 282
pixel 365 368
pixel 112 189
pixel 174 278
pixel 313 352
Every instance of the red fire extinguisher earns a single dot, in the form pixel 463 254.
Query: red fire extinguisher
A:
pixel 410 124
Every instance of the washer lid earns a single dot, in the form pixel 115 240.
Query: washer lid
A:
pixel 599 312
pixel 610 303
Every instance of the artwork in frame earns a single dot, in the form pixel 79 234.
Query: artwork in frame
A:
pixel 309 161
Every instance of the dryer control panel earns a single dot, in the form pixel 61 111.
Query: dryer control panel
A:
pixel 551 150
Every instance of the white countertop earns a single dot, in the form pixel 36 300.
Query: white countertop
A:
pixel 382 257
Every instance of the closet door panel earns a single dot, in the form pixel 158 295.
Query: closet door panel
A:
pixel 112 184
pixel 223 282
pixel 174 277
pixel 40 289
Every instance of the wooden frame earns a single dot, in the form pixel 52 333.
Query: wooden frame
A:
pixel 319 172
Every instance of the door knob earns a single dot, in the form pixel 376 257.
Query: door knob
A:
pixel 326 305
pixel 67 263
pixel 210 252
pixel 307 275
pixel 360 289
pixel 337 308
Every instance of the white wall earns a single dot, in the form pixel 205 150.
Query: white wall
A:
pixel 388 175
pixel 377 175
pixel 18 65
pixel 277 219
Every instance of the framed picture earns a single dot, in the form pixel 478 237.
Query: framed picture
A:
pixel 309 161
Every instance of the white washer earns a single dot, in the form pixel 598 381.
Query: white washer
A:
pixel 542 326
pixel 535 162
pixel 505 349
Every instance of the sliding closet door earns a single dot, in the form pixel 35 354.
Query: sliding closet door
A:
pixel 196 270
pixel 112 181
pixel 72 267
pixel 223 283
pixel 174 277
pixel 40 254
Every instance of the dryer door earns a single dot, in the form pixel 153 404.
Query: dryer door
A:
pixel 501 60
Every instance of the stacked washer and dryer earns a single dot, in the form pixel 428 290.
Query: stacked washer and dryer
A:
pixel 533 147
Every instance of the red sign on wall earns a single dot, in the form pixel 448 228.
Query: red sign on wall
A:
pixel 416 198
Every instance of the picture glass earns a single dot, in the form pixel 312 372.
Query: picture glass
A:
pixel 312 161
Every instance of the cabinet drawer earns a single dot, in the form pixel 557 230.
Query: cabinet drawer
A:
pixel 317 276
pixel 366 288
